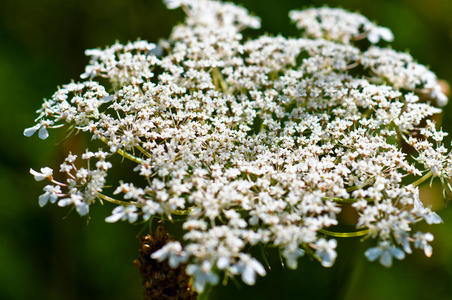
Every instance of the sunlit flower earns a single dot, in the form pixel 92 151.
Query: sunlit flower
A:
pixel 254 142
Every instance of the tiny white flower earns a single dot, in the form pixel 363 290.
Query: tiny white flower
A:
pixel 326 252
pixel 173 251
pixel 248 267
pixel 223 262
pixel 46 173
pixel 385 251
pixel 28 132
pixel 432 218
pixel 123 213
pixel 43 133
pixel 41 128
pixel 421 242
pixel 52 193
pixel 150 208
pixel 386 34
pixel 380 33
pixel 292 256
pixel 75 199
pixel 202 275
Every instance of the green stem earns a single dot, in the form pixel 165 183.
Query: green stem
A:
pixel 147 154
pixel 219 82
pixel 345 234
pixel 422 179
pixel 116 201
pixel 125 154
pixel 341 200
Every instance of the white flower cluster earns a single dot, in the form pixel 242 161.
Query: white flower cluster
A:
pixel 256 141
pixel 336 24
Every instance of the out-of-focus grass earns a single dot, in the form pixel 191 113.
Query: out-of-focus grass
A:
pixel 46 255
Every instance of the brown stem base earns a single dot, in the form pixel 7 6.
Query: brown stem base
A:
pixel 160 281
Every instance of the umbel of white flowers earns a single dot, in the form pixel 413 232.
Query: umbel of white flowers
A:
pixel 255 141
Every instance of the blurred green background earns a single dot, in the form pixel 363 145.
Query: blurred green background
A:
pixel 50 254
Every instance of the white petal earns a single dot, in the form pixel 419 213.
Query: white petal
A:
pixel 173 4
pixel 83 209
pixel 65 202
pixel 118 210
pixel 373 253
pixel 46 171
pixel 212 278
pixel 43 133
pixel 327 260
pixel 53 198
pixel 406 247
pixel 373 37
pixel 386 34
pixel 332 244
pixel 428 237
pixel 113 218
pixel 191 269
pixel 160 254
pixel 43 199
pixel 257 266
pixel 386 259
pixel 38 176
pixel 31 130
pixel 397 253
pixel 200 282
pixel 173 261
pixel 441 100
pixel 107 98
pixel 222 262
pixel 248 275
pixel 433 218
pixel 133 217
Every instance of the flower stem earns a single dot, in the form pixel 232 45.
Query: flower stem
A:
pixel 346 234
pixel 219 82
pixel 422 179
pixel 116 201
pixel 125 154
pixel 341 200
pixel 143 151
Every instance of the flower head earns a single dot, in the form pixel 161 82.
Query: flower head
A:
pixel 255 141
